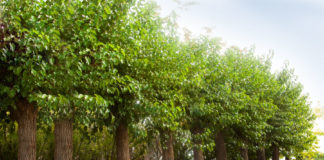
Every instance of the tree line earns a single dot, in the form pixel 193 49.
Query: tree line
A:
pixel 115 75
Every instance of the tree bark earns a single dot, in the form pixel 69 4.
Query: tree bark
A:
pixel 148 154
pixel 122 146
pixel 245 153
pixel 63 133
pixel 275 153
pixel 149 151
pixel 198 152
pixel 167 148
pixel 261 154
pixel 220 147
pixel 26 115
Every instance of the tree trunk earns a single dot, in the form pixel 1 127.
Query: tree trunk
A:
pixel 149 151
pixel 63 132
pixel 198 152
pixel 167 148
pixel 245 153
pixel 220 147
pixel 275 154
pixel 261 154
pixel 148 155
pixel 26 115
pixel 158 148
pixel 122 146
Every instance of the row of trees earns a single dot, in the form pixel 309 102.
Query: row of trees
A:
pixel 115 64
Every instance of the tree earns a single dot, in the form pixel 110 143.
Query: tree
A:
pixel 238 86
pixel 135 47
pixel 20 54
pixel 196 52
pixel 114 66
pixel 64 39
pixel 64 42
pixel 162 94
pixel 291 125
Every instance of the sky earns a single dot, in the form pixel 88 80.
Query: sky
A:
pixel 291 29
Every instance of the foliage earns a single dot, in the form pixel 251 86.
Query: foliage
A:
pixel 291 125
pixel 101 62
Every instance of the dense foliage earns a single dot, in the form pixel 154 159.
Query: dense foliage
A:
pixel 119 74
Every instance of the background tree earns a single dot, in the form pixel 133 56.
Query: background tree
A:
pixel 291 125
pixel 196 52
pixel 163 92
pixel 237 82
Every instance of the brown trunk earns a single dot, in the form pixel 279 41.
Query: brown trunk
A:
pixel 158 148
pixel 220 147
pixel 122 146
pixel 261 154
pixel 148 155
pixel 26 115
pixel 63 132
pixel 275 154
pixel 198 152
pixel 167 148
pixel 149 151
pixel 245 153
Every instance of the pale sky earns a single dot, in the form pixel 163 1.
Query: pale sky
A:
pixel 292 29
